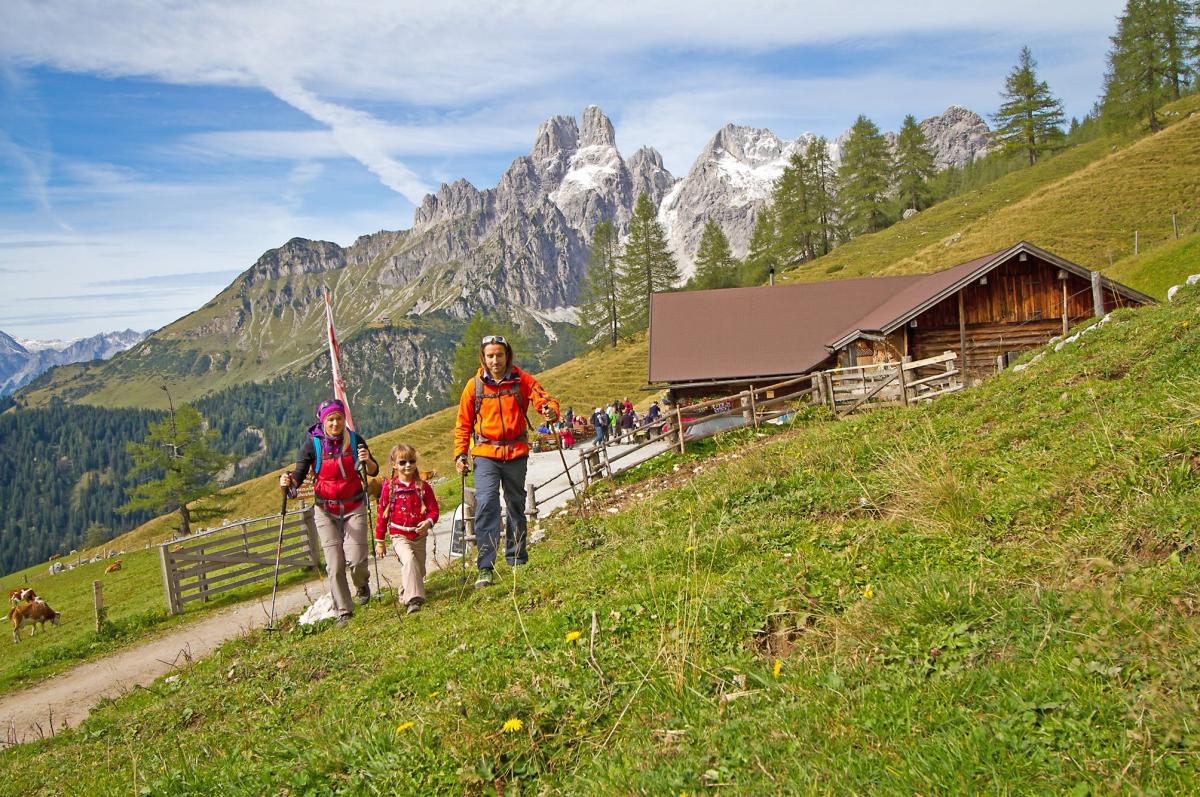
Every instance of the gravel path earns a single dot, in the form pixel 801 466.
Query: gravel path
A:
pixel 65 700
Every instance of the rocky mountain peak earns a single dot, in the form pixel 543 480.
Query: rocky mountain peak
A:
pixel 956 137
pixel 556 141
pixel 597 130
pixel 459 198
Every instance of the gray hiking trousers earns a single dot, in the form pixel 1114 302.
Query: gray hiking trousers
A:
pixel 491 475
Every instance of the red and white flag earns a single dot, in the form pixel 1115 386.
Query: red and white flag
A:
pixel 335 360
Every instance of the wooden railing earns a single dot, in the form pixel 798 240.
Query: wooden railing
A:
pixel 859 387
pixel 212 562
pixel 843 390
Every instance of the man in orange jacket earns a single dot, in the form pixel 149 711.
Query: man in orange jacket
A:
pixel 491 414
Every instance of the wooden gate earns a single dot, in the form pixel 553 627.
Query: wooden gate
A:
pixel 222 559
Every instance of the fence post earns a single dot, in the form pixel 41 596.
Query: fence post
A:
pixel 1136 245
pixel 1097 295
pixel 1175 226
pixel 830 398
pixel 679 429
pixel 531 507
pixel 903 382
pixel 98 599
pixel 753 408
pixel 168 574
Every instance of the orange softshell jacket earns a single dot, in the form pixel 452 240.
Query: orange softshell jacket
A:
pixel 498 427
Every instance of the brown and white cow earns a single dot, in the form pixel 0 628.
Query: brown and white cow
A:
pixel 114 567
pixel 34 613
pixel 20 595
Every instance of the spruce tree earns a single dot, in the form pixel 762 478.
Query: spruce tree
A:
pixel 715 264
pixel 598 309
pixel 761 257
pixel 863 179
pixel 646 266
pixel 180 449
pixel 913 165
pixel 1030 119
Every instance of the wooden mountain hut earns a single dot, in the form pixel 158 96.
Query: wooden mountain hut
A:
pixel 706 343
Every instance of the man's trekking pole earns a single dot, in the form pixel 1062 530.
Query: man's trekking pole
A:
pixel 278 552
pixel 566 467
pixel 362 469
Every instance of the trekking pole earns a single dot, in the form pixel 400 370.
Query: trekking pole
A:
pixel 362 469
pixel 278 552
pixel 463 494
pixel 566 467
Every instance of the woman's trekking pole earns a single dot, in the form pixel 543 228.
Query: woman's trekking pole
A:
pixel 362 469
pixel 278 551
pixel 463 494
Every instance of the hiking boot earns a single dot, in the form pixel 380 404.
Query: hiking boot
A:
pixel 343 620
pixel 414 606
pixel 363 596
pixel 487 578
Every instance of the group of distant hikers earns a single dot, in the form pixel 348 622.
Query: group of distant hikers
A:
pixel 491 429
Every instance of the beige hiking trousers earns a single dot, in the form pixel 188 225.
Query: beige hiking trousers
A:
pixel 344 542
pixel 411 554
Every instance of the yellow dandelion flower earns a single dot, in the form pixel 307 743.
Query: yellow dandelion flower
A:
pixel 777 668
pixel 512 725
pixel 402 727
pixel 689 549
pixel 573 635
pixel 868 592
pixel 432 695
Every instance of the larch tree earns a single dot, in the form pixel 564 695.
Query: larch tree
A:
pixel 822 204
pixel 793 217
pixel 598 310
pixel 646 266
pixel 179 451
pixel 1153 55
pixel 1030 119
pixel 761 257
pixel 863 179
pixel 913 165
pixel 716 266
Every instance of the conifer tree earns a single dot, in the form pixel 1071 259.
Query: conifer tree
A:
pixel 761 257
pixel 598 309
pixel 715 264
pixel 179 447
pixel 863 179
pixel 1153 55
pixel 793 217
pixel 1030 119
pixel 822 203
pixel 646 266
pixel 913 165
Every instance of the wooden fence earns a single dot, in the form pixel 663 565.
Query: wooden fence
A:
pixel 212 562
pixel 843 390
pixel 861 387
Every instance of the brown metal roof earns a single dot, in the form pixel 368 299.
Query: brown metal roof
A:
pixel 733 333
pixel 750 332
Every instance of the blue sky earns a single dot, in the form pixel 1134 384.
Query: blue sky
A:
pixel 150 151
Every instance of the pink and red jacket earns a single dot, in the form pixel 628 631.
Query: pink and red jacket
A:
pixel 403 506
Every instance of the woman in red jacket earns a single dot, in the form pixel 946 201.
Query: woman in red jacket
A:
pixel 407 512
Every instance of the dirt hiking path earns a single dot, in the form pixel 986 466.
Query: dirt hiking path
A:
pixel 65 700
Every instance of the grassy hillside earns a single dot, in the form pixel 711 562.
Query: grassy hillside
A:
pixel 134 595
pixel 1155 271
pixel 1084 204
pixel 994 593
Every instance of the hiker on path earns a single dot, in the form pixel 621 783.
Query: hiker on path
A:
pixel 407 511
pixel 491 413
pixel 599 426
pixel 335 453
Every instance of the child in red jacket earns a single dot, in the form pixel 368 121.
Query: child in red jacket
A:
pixel 407 512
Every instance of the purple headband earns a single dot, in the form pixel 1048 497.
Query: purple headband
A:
pixel 326 407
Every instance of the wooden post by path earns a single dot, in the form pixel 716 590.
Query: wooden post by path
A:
pixel 903 381
pixel 98 599
pixel 679 429
pixel 1175 226
pixel 753 408
pixel 1097 295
